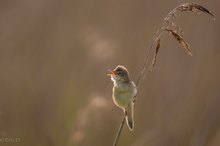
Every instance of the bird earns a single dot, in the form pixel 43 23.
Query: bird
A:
pixel 123 93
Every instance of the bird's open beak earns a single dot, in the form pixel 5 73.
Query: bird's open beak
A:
pixel 112 73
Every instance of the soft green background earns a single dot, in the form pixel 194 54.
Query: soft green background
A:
pixel 54 57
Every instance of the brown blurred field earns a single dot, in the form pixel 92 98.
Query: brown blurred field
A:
pixel 54 57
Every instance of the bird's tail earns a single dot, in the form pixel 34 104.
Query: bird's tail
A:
pixel 130 116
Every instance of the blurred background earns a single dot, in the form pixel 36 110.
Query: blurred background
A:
pixel 54 57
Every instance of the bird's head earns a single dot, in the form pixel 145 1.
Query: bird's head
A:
pixel 119 75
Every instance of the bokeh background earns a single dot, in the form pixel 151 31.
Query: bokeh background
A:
pixel 54 57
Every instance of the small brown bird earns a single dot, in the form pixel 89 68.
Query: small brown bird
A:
pixel 124 92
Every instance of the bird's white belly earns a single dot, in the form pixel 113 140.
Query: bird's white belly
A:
pixel 123 96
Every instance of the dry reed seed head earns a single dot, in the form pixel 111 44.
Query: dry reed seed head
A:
pixel 178 35
pixel 180 39
pixel 155 55
pixel 173 29
pixel 191 7
pixel 158 46
pixel 200 9
pixel 174 25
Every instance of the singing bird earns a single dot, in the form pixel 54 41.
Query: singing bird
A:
pixel 123 92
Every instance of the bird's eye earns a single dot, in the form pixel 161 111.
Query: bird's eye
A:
pixel 119 69
pixel 121 73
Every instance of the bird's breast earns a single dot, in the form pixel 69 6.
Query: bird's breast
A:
pixel 122 96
